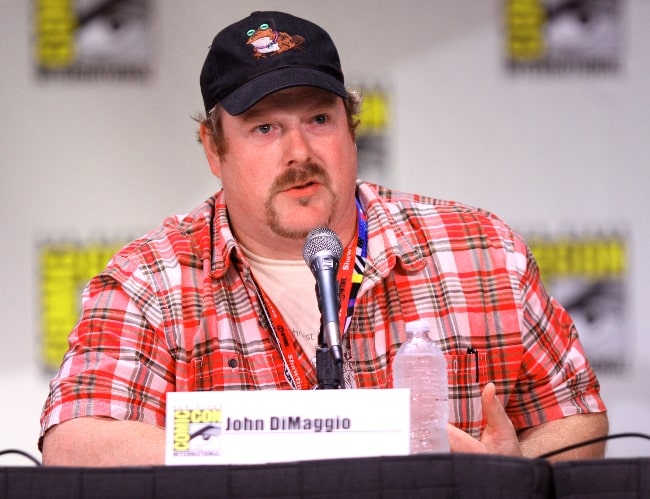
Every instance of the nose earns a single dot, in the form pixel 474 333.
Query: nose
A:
pixel 297 147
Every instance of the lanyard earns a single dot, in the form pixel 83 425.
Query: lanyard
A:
pixel 349 278
pixel 297 375
pixel 293 371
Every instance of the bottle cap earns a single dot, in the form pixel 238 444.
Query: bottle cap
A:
pixel 417 326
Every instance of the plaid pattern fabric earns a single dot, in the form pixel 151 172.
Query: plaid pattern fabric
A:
pixel 177 310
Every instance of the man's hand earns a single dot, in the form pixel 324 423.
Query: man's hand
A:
pixel 499 436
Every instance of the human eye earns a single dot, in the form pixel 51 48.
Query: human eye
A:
pixel 263 128
pixel 321 119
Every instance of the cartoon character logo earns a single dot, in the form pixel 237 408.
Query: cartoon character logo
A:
pixel 268 41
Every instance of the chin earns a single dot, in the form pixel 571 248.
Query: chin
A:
pixel 298 229
pixel 296 220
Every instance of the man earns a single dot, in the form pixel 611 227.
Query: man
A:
pixel 201 303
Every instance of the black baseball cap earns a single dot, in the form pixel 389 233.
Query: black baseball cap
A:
pixel 264 53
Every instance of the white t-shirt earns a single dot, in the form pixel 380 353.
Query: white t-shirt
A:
pixel 292 288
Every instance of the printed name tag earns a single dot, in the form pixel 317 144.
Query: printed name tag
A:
pixel 240 427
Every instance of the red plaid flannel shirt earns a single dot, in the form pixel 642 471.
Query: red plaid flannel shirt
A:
pixel 177 310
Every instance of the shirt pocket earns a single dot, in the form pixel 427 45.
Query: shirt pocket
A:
pixel 467 376
pixel 228 370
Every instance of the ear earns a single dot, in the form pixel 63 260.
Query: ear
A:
pixel 210 150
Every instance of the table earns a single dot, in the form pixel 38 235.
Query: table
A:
pixel 441 475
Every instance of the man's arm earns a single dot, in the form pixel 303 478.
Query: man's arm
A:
pixel 499 436
pixel 91 441
pixel 563 432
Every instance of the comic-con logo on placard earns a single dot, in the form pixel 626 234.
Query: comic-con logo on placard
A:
pixel 197 432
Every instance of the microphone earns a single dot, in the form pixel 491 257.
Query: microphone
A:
pixel 322 252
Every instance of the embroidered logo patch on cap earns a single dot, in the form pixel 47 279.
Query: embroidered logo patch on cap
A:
pixel 268 41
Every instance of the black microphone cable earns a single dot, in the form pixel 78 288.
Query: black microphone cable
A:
pixel 592 441
pixel 22 453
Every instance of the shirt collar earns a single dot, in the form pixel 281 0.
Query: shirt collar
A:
pixel 388 245
pixel 387 242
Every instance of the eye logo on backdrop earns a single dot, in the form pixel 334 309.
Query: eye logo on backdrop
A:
pixel 92 38
pixel 563 35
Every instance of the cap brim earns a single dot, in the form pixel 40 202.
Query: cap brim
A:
pixel 250 93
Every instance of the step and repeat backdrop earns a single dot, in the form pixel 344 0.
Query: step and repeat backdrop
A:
pixel 586 268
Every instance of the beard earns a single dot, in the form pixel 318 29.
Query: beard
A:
pixel 304 174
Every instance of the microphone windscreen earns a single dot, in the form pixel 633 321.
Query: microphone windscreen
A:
pixel 321 239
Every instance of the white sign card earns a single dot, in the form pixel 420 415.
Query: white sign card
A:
pixel 247 427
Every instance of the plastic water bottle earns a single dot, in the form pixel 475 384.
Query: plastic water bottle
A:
pixel 421 366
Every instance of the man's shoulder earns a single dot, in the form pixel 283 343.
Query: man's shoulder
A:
pixel 435 218
pixel 184 239
pixel 397 201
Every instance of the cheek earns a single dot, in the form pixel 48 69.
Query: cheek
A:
pixel 240 167
pixel 249 185
pixel 345 158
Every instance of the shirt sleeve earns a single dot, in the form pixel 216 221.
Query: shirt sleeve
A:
pixel 556 379
pixel 118 364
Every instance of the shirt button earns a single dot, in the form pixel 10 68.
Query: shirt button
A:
pixel 232 363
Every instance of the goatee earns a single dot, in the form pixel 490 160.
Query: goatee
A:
pixel 293 177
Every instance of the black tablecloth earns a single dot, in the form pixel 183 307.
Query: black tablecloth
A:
pixel 602 478
pixel 452 476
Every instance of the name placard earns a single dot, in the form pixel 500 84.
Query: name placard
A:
pixel 246 427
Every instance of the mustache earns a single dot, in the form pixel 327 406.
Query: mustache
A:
pixel 300 175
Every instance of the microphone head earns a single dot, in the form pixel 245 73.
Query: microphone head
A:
pixel 321 239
